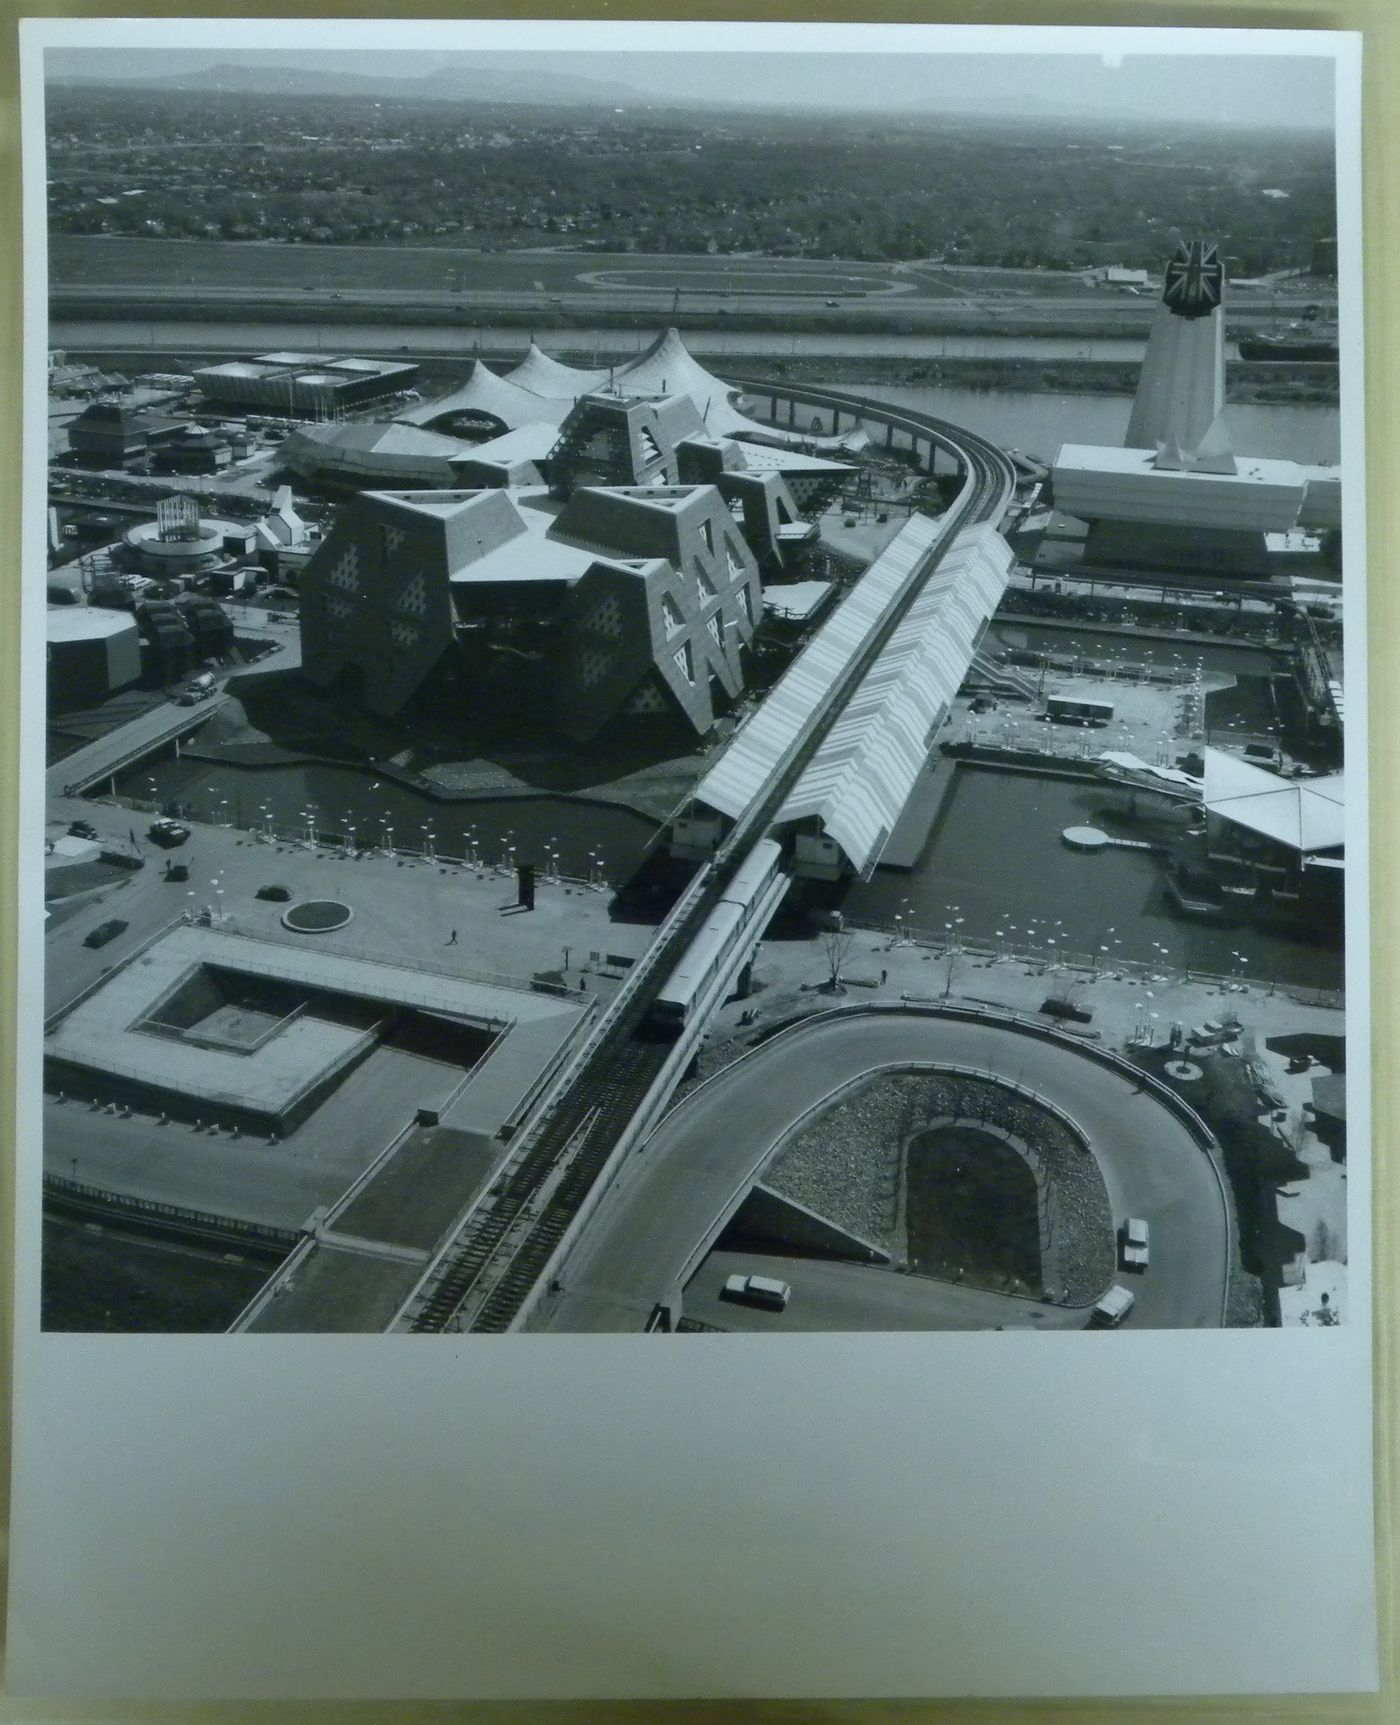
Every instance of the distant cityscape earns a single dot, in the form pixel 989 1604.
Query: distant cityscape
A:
pixel 677 723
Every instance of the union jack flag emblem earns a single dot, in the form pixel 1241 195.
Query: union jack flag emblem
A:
pixel 1195 279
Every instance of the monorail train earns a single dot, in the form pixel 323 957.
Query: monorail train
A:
pixel 710 950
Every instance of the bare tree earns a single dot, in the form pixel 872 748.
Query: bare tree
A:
pixel 836 948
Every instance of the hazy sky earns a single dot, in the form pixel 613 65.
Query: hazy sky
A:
pixel 1258 90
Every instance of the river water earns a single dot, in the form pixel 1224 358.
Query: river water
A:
pixel 1038 424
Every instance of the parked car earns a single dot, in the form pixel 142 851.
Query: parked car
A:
pixel 82 830
pixel 105 931
pixel 1133 1244
pixel 757 1291
pixel 1112 1308
pixel 167 833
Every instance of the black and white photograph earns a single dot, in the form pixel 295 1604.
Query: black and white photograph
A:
pixel 692 681
pixel 693 693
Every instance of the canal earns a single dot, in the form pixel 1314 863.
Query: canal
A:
pixel 1221 658
pixel 996 861
pixel 333 799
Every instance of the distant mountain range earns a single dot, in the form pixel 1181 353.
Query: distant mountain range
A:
pixel 460 84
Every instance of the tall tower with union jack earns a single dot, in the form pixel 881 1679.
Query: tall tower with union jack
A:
pixel 1194 281
pixel 1181 392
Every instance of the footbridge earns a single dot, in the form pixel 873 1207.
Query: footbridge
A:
pixel 130 743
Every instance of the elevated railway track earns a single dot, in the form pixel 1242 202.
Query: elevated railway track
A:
pixel 486 1275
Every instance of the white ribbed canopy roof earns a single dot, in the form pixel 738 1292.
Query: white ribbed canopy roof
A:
pixel 861 777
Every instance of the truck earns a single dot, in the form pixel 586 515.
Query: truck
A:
pixel 199 688
pixel 1064 710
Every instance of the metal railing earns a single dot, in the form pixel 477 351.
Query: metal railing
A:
pixel 78 1194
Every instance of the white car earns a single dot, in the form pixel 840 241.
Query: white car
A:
pixel 758 1291
pixel 1112 1308
pixel 1134 1248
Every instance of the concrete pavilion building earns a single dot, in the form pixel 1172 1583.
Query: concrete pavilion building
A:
pixel 109 434
pixel 302 385
pixel 605 437
pixel 623 601
pixel 1177 496
pixel 92 652
pixel 612 439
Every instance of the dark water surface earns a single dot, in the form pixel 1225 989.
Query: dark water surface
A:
pixel 996 859
pixel 212 791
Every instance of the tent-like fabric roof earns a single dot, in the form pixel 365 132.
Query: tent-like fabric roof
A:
pixel 861 777
pixel 543 375
pixel 1305 814
pixel 668 367
pixel 541 389
pixel 485 392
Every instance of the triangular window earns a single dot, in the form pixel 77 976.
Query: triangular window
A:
pixel 671 615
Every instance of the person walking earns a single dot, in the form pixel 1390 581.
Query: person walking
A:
pixel 452 938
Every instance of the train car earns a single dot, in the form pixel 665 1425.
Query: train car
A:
pixel 754 876
pixel 704 958
pixel 708 953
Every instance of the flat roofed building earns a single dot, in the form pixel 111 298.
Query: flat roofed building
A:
pixel 1142 515
pixel 313 385
pixel 92 652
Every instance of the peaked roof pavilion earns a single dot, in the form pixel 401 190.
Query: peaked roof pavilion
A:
pixel 1307 815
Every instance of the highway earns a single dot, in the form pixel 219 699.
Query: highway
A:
pixel 141 274
pixel 504 1247
pixel 681 1185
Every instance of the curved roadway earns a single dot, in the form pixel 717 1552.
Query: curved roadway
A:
pixel 671 1195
